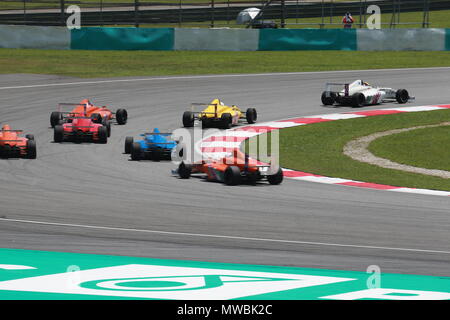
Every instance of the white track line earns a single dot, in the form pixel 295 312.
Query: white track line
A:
pixel 220 236
pixel 212 76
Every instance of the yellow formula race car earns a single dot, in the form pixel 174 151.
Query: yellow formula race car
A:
pixel 217 115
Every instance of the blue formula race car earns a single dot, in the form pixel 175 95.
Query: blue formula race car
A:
pixel 154 146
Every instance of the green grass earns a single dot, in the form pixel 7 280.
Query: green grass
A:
pixel 89 64
pixel 424 148
pixel 317 148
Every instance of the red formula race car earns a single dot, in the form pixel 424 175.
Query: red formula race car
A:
pixel 12 145
pixel 232 170
pixel 85 108
pixel 81 129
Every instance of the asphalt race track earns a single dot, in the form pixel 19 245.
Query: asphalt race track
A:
pixel 90 198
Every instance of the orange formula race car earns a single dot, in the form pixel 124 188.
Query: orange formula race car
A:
pixel 232 170
pixel 85 108
pixel 12 145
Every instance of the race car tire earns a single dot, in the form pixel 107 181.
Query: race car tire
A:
pixel 29 136
pixel 232 176
pixel 128 144
pixel 328 100
pixel 188 119
pixel 58 133
pixel 121 116
pixel 105 122
pixel 136 151
pixel 31 149
pixel 402 96
pixel 184 170
pixel 102 135
pixel 358 100
pixel 96 118
pixel 55 118
pixel 226 120
pixel 6 151
pixel 251 115
pixel 276 178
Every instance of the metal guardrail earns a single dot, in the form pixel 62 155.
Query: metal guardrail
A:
pixel 208 13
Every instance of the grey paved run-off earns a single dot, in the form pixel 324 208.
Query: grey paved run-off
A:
pixel 97 185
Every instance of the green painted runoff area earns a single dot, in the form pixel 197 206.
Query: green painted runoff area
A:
pixel 33 272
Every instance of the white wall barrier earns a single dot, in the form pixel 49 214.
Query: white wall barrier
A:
pixel 33 37
pixel 216 39
pixel 401 40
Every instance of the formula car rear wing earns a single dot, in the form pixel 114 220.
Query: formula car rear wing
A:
pixel 10 130
pixel 165 134
pixel 69 104
pixel 65 113
pixel 329 86
pixel 265 169
pixel 83 126
pixel 196 113
pixel 80 117
pixel 156 134
pixel 201 104
pixel 160 142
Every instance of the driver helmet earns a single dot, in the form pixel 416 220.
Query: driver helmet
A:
pixel 365 83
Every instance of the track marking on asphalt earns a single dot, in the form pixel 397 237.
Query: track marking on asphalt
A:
pixel 358 149
pixel 212 76
pixel 220 236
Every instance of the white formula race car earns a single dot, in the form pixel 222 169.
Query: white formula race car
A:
pixel 360 93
